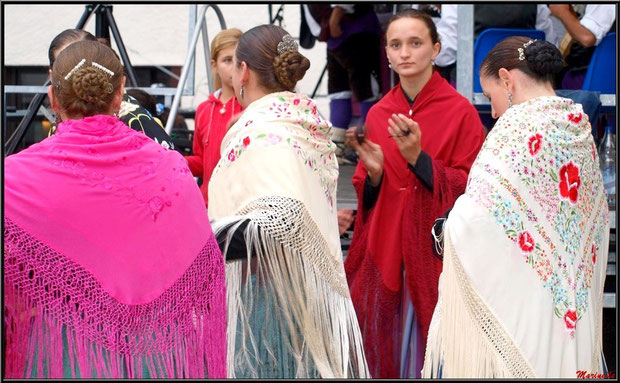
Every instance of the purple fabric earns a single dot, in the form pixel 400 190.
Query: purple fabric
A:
pixel 366 23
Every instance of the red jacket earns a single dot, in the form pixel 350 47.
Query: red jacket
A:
pixel 211 118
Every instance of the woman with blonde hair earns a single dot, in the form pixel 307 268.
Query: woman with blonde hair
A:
pixel 213 115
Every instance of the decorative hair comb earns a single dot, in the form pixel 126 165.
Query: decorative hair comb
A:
pixel 75 68
pixel 102 68
pixel 287 44
pixel 522 50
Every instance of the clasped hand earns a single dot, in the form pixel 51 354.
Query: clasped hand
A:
pixel 403 130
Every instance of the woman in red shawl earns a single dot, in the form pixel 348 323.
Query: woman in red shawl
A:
pixel 421 140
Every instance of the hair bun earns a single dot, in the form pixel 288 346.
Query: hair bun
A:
pixel 290 67
pixel 91 85
pixel 543 58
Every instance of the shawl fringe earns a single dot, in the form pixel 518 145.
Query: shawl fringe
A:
pixel 304 292
pixel 60 322
pixel 465 339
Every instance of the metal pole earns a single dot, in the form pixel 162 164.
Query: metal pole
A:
pixel 316 88
pixel 22 128
pixel 86 15
pixel 121 46
pixel 207 53
pixel 186 66
pixel 394 11
pixel 465 51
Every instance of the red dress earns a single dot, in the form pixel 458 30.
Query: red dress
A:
pixel 208 134
pixel 395 234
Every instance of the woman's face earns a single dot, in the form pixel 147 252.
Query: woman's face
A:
pixel 496 92
pixel 223 66
pixel 409 47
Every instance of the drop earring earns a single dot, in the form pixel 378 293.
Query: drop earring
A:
pixel 390 65
pixel 241 92
pixel 509 99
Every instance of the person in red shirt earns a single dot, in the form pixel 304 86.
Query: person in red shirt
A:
pixel 421 140
pixel 213 115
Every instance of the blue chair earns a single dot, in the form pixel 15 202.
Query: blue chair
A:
pixel 601 74
pixel 489 38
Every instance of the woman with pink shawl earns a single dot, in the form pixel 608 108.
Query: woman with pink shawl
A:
pixel 111 268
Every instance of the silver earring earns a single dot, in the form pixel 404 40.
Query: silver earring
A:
pixel 509 99
pixel 241 91
pixel 389 65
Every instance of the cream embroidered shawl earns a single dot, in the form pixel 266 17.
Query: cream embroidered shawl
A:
pixel 278 168
pixel 525 253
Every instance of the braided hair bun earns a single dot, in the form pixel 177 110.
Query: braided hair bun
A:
pixel 290 67
pixel 543 58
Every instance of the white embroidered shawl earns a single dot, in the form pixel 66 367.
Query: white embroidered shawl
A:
pixel 278 168
pixel 525 253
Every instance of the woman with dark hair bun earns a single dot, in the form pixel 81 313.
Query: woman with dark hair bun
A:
pixel 525 248
pixel 272 197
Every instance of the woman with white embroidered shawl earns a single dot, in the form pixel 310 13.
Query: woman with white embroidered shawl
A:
pixel 272 197
pixel 525 248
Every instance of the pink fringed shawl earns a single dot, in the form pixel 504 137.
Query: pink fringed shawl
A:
pixel 111 268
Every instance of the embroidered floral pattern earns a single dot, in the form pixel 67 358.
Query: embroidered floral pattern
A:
pixel 569 181
pixel 534 144
pixel 557 164
pixel 288 108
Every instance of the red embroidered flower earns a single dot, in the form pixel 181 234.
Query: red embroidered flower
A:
pixel 593 152
pixel 314 109
pixel 569 181
pixel 576 118
pixel 534 144
pixel 570 319
pixel 246 142
pixel 231 156
pixel 526 241
pixel 296 101
pixel 248 123
pixel 593 254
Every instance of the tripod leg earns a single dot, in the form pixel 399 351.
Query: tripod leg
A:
pixel 121 47
pixel 22 128
pixel 318 83
pixel 85 16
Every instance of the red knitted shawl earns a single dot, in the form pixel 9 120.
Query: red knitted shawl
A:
pixel 396 232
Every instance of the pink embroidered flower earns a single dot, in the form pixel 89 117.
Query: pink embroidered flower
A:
pixel 534 144
pixel 526 242
pixel 569 181
pixel 570 319
pixel 231 156
pixel 246 142
pixel 248 122
pixel 296 101
pixel 593 152
pixel 593 254
pixel 314 109
pixel 274 139
pixel 575 118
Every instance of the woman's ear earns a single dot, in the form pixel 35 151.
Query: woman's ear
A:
pixel 53 101
pixel 436 49
pixel 213 66
pixel 506 79
pixel 245 73
pixel 118 96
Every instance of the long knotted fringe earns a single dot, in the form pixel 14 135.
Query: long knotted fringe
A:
pixel 60 323
pixel 319 318
pixel 465 340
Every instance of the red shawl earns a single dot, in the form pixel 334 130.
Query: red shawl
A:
pixel 396 232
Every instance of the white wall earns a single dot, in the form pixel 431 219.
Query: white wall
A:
pixel 152 34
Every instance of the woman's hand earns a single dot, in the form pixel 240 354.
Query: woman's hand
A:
pixel 369 153
pixel 407 135
pixel 345 219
